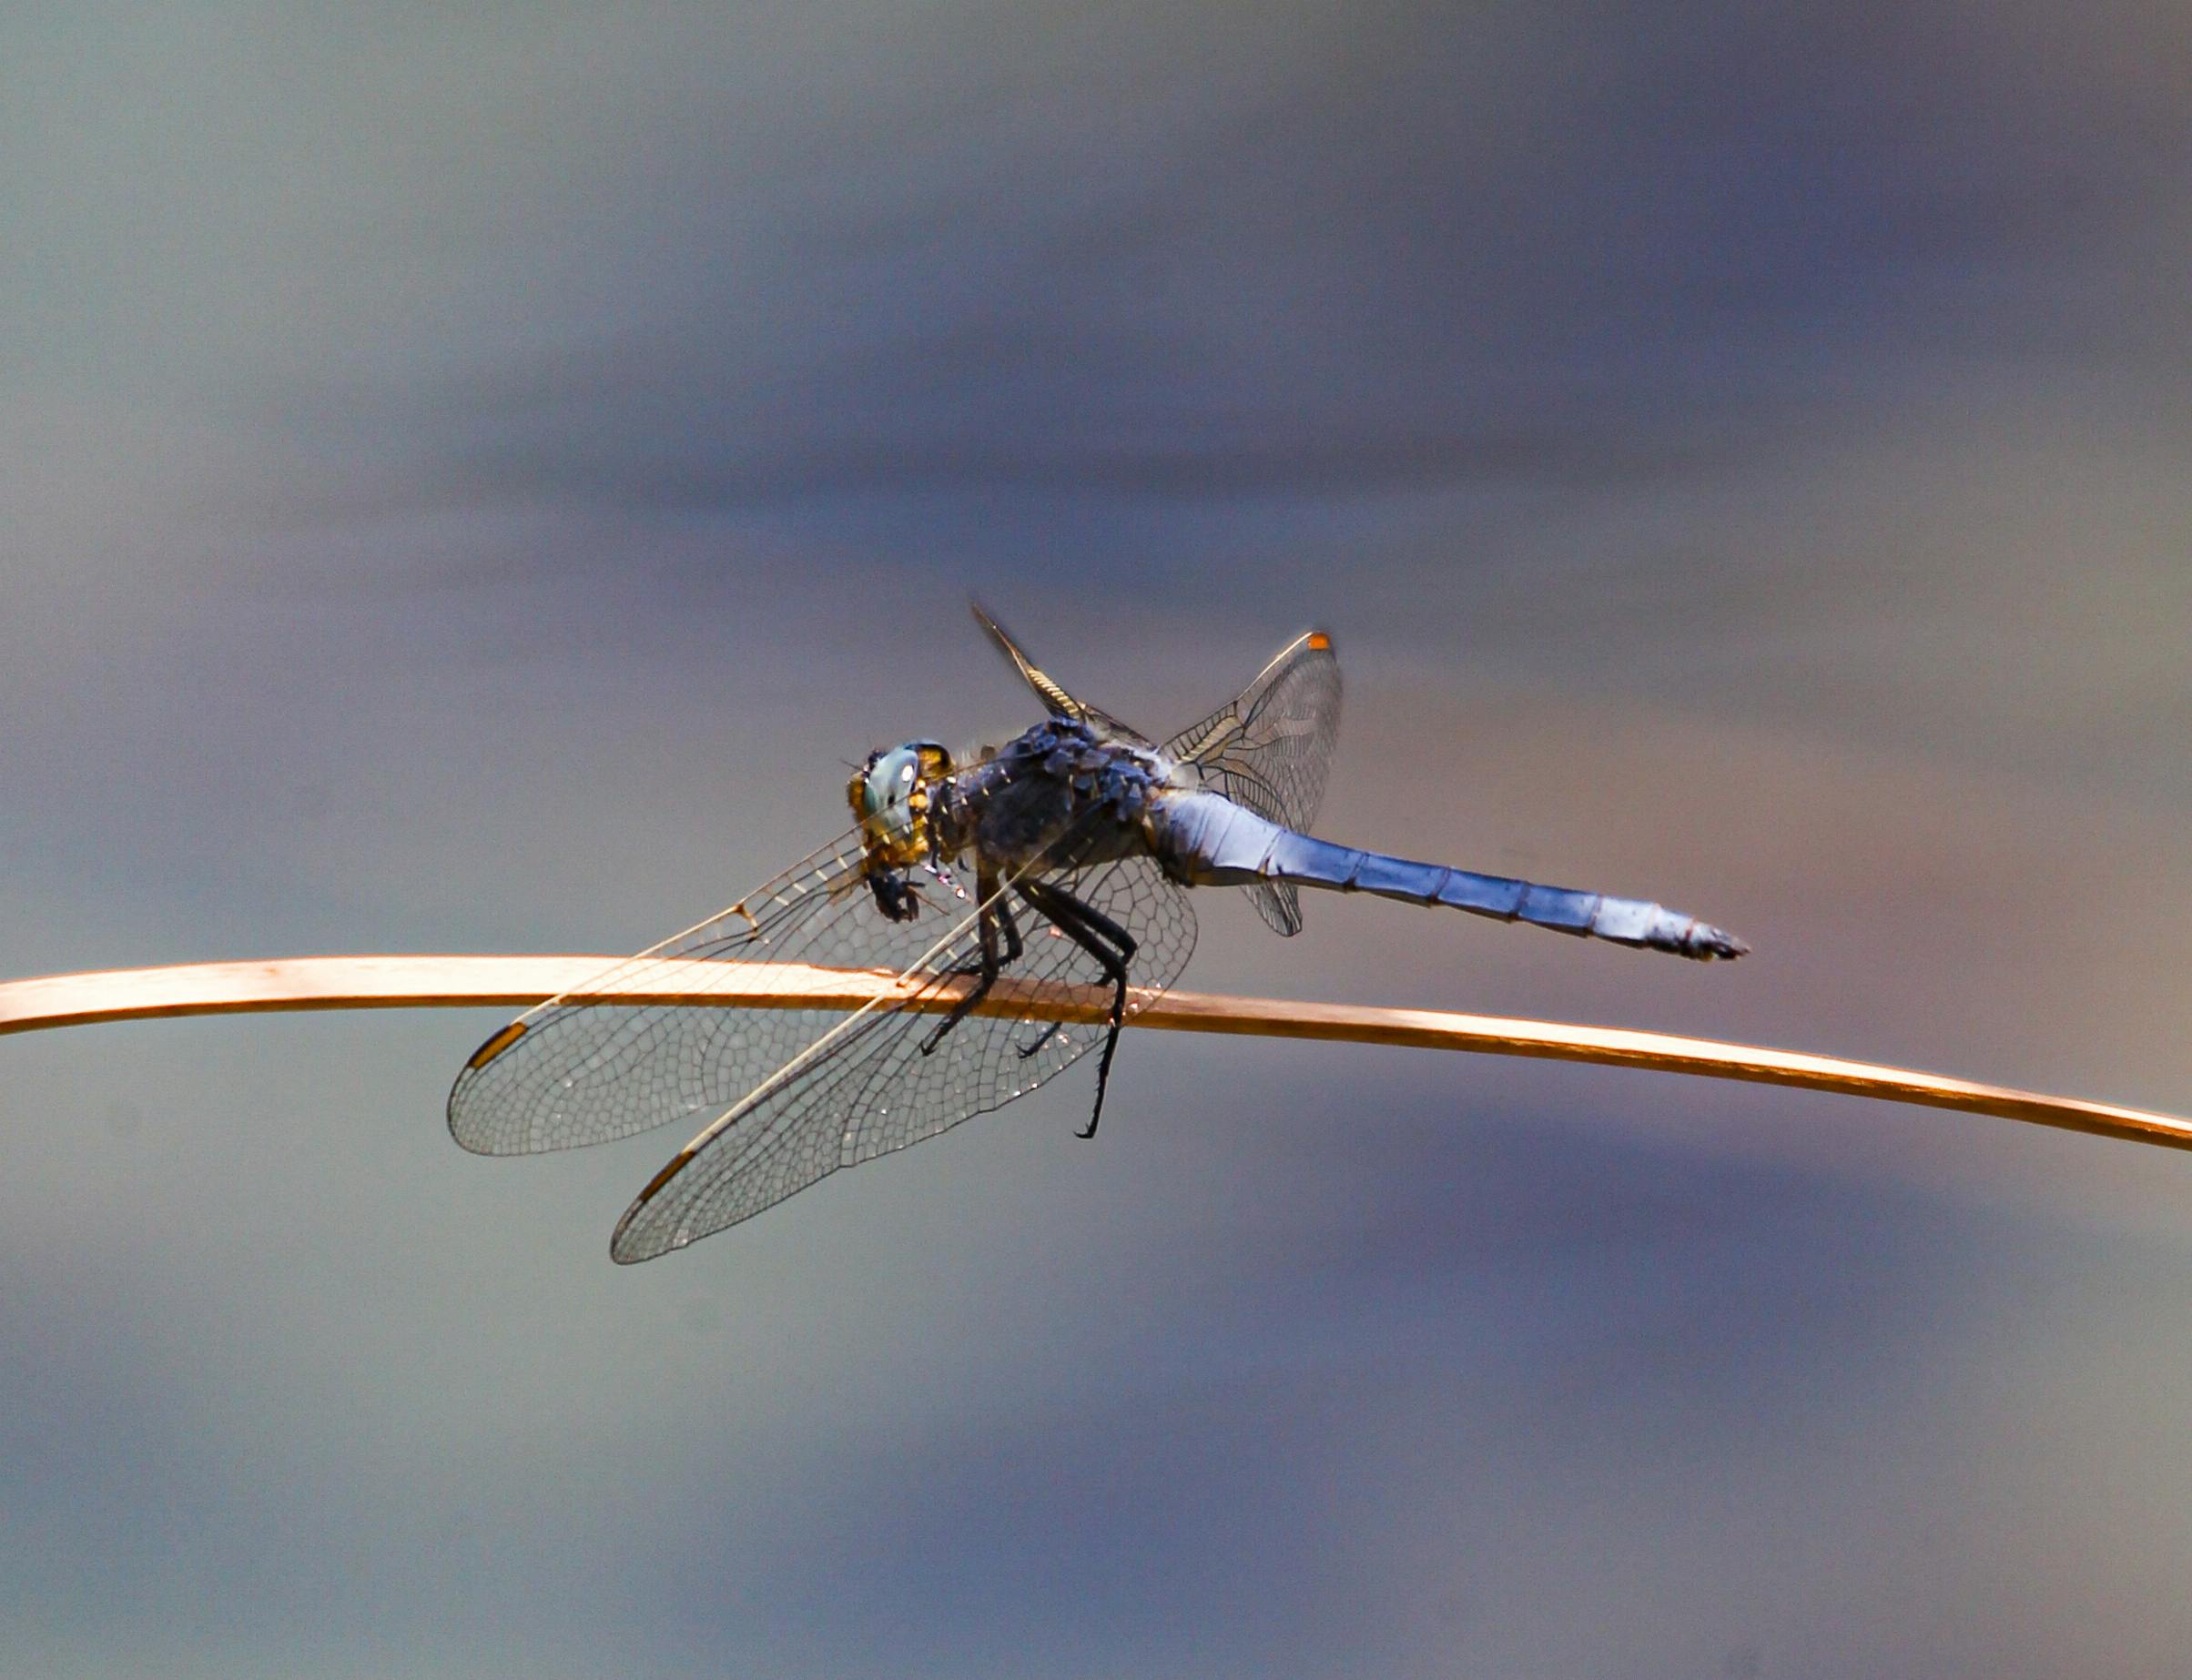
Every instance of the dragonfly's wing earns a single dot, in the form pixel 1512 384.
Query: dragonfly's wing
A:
pixel 1061 704
pixel 584 1068
pixel 869 1087
pixel 1270 749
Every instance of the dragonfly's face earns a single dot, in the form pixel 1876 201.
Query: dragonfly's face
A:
pixel 889 798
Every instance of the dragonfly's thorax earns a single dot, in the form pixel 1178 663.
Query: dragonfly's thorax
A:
pixel 1062 793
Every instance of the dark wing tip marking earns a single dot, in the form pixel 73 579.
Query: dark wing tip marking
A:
pixel 495 1046
pixel 626 1250
pixel 675 1165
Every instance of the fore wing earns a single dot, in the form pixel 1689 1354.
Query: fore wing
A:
pixel 1270 749
pixel 1060 703
pixel 585 1068
pixel 879 1080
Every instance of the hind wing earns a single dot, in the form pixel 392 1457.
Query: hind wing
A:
pixel 1270 749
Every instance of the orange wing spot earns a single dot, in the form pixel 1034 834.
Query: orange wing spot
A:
pixel 1319 642
pixel 495 1046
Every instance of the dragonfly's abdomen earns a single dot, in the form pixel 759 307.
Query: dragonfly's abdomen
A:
pixel 1207 840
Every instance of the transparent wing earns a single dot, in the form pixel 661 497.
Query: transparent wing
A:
pixel 1270 749
pixel 882 1081
pixel 1060 703
pixel 578 1070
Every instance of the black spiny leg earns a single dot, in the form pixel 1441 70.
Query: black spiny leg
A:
pixel 1040 1039
pixel 1049 1032
pixel 1004 920
pixel 984 971
pixel 1103 939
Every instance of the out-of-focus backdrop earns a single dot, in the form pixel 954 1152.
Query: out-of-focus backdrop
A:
pixel 470 475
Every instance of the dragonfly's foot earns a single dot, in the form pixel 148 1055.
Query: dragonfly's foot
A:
pixel 983 975
pixel 942 1029
pixel 1103 1077
pixel 1048 1034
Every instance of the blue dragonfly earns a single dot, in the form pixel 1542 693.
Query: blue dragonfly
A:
pixel 1064 858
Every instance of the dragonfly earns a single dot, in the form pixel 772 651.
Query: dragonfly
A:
pixel 1060 864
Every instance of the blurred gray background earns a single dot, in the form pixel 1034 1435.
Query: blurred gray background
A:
pixel 472 475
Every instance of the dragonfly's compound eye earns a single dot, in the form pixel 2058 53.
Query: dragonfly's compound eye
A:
pixel 890 798
pixel 887 798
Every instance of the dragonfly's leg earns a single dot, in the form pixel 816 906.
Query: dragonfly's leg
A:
pixel 1110 944
pixel 983 972
pixel 1040 1039
pixel 1013 950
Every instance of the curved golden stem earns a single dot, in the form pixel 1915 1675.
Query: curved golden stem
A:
pixel 456 982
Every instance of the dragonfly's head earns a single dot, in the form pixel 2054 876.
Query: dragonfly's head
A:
pixel 890 795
